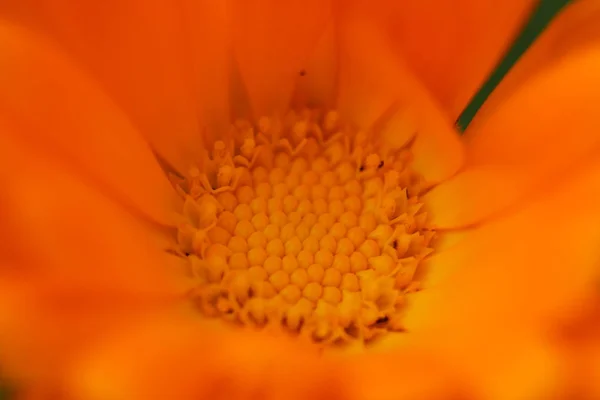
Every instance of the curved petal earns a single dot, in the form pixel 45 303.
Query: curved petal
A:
pixel 148 60
pixel 580 342
pixel 206 37
pixel 61 109
pixel 576 27
pixel 549 120
pixel 540 131
pixel 73 264
pixel 272 41
pixel 376 87
pixel 68 233
pixel 411 373
pixel 451 46
pixel 42 329
pixel 201 363
pixel 498 292
pixel 468 198
pixel 318 86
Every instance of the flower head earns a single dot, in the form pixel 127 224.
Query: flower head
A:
pixel 267 199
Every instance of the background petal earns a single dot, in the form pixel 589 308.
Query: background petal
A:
pixel 376 88
pixel 272 41
pixel 576 27
pixel 580 340
pixel 43 330
pixel 179 358
pixel 162 61
pixel 73 264
pixel 543 129
pixel 206 37
pixel 451 46
pixel 319 84
pixel 60 109
pixel 498 293
pixel 410 373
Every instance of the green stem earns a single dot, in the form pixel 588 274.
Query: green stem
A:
pixel 541 16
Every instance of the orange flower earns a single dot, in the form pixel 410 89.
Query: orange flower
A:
pixel 100 99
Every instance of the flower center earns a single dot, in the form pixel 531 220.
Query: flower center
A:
pixel 307 224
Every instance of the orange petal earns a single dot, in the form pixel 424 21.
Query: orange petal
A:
pixel 477 194
pixel 43 330
pixel 183 359
pixel 528 142
pixel 450 46
pixel 580 342
pixel 61 109
pixel 73 263
pixel 318 85
pixel 549 120
pixel 576 27
pixel 500 290
pixel 148 57
pixel 375 86
pixel 408 374
pixel 272 42
pixel 525 253
pixel 63 231
pixel 206 38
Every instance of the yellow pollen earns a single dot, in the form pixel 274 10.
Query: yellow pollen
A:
pixel 305 224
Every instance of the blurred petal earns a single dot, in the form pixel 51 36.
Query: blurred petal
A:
pixel 272 42
pixel 375 87
pixel 558 228
pixel 42 329
pixel 550 120
pixel 451 46
pixel 150 62
pixel 407 374
pixel 572 30
pixel 73 264
pixel 182 359
pixel 478 193
pixel 205 31
pixel 579 339
pixel 69 234
pixel 542 130
pixel 504 286
pixel 318 87
pixel 61 109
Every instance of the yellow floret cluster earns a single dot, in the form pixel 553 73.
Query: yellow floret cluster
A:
pixel 303 223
